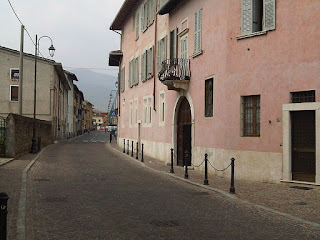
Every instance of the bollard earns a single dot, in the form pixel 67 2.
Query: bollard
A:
pixel 206 181
pixel 3 215
pixel 124 146
pixel 39 144
pixel 232 189
pixel 171 169
pixel 142 152
pixel 110 137
pixel 137 157
pixel 186 176
pixel 131 148
pixel 128 147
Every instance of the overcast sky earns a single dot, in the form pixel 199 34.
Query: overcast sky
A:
pixel 79 29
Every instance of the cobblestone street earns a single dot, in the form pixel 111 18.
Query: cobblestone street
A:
pixel 79 189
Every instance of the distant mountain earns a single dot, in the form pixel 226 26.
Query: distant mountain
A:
pixel 96 87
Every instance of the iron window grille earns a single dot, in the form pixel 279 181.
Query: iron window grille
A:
pixel 303 96
pixel 251 116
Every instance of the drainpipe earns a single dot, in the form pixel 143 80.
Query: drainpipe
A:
pixel 154 55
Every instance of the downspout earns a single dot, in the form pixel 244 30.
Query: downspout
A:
pixel 154 54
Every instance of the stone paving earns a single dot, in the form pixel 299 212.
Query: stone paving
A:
pixel 303 204
pixel 56 199
pixel 10 182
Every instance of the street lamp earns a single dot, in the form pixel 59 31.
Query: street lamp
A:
pixel 34 148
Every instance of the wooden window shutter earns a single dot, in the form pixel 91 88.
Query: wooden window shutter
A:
pixel 137 25
pixel 148 63
pixel 158 54
pixel 137 70
pixel 143 59
pixel 142 17
pixel 130 75
pixel 199 30
pixel 122 80
pixel 269 14
pixel 152 61
pixel 145 9
pixel 152 10
pixel 165 48
pixel 246 17
pixel 195 32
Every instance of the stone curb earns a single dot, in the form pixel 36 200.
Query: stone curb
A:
pixel 4 161
pixel 21 219
pixel 231 196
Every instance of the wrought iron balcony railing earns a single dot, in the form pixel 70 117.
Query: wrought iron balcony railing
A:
pixel 175 69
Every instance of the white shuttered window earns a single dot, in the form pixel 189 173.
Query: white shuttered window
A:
pixel 258 15
pixel 197 31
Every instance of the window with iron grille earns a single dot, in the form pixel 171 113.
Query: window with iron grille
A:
pixel 208 98
pixel 14 92
pixel 251 116
pixel 303 96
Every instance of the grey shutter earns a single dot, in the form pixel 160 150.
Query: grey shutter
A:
pixel 143 59
pixel 137 70
pixel 148 63
pixel 145 9
pixel 137 24
pixel 199 30
pixel 165 47
pixel 246 17
pixel 122 80
pixel 152 60
pixel 269 14
pixel 158 53
pixel 195 32
pixel 142 17
pixel 152 10
pixel 130 74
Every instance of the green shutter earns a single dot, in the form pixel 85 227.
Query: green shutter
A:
pixel 269 14
pixel 246 17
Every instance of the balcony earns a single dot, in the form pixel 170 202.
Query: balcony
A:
pixel 175 73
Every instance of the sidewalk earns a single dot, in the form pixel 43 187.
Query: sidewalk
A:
pixel 277 197
pixel 10 182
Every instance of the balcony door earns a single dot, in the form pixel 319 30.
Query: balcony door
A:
pixel 184 47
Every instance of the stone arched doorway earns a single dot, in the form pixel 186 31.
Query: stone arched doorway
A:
pixel 184 130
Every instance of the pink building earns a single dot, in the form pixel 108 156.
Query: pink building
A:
pixel 236 78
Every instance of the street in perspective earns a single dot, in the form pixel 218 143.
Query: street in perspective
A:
pixel 159 119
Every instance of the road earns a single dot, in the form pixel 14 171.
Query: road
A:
pixel 80 189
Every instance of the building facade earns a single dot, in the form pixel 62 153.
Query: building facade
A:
pixel 234 78
pixel 52 89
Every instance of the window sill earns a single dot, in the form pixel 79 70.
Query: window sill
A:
pixel 197 54
pixel 250 136
pixel 252 35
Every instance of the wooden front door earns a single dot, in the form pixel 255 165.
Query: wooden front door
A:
pixel 184 150
pixel 303 145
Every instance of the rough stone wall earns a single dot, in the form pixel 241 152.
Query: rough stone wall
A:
pixel 19 134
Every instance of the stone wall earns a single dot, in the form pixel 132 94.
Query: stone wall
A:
pixel 19 134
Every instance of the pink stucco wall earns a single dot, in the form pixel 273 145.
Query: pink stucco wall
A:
pixel 272 65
